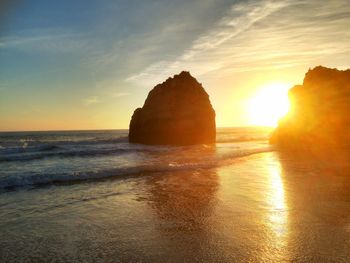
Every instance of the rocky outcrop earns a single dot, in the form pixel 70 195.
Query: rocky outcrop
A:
pixel 176 112
pixel 320 111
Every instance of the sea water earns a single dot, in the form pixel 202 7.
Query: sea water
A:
pixel 90 196
pixel 40 158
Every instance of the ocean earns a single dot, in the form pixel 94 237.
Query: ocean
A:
pixel 90 196
pixel 29 159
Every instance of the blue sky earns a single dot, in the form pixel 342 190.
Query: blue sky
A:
pixel 89 64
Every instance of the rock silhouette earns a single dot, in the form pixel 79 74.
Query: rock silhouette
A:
pixel 320 111
pixel 176 112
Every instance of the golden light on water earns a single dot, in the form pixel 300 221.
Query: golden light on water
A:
pixel 276 199
pixel 269 104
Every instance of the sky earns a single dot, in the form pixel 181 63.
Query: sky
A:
pixel 73 65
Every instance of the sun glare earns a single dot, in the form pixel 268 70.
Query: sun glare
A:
pixel 269 104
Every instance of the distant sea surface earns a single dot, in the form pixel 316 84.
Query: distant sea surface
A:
pixel 90 196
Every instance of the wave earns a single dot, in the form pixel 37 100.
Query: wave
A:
pixel 42 151
pixel 45 148
pixel 29 142
pixel 14 182
pixel 242 139
pixel 73 153
pixel 39 150
pixel 26 149
pixel 33 145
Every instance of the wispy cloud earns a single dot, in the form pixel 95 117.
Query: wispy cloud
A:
pixel 120 94
pixel 91 100
pixel 264 34
pixel 57 41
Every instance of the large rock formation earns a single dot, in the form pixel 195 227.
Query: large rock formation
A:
pixel 320 111
pixel 176 112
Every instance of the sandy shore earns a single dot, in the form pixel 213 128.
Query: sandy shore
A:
pixel 262 208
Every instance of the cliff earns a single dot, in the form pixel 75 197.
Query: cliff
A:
pixel 320 111
pixel 176 112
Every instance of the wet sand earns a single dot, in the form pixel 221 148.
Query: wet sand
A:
pixel 268 207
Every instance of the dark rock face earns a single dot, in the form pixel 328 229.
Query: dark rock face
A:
pixel 176 112
pixel 320 111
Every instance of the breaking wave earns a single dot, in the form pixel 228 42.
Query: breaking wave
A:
pixel 34 179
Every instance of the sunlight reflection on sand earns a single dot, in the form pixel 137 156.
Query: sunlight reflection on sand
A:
pixel 276 197
pixel 269 207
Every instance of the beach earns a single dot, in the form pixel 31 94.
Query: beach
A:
pixel 237 201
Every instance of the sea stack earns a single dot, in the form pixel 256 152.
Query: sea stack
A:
pixel 320 111
pixel 176 112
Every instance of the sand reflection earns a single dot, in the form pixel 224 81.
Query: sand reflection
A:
pixel 269 207
pixel 319 203
pixel 183 204
pixel 278 215
pixel 183 200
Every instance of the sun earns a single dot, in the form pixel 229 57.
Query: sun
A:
pixel 268 105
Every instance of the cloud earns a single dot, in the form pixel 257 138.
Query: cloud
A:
pixel 256 35
pixel 239 19
pixel 91 100
pixel 53 40
pixel 120 94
